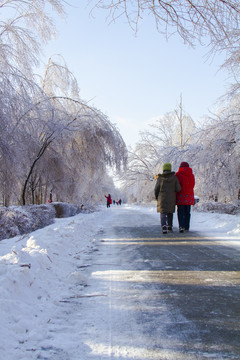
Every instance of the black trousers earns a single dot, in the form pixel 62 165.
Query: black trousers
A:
pixel 184 215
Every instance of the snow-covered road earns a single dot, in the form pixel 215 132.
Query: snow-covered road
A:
pixel 109 285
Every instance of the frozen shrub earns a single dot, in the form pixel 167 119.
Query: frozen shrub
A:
pixel 42 215
pixel 221 208
pixel 21 220
pixel 18 220
pixel 8 227
pixel 65 210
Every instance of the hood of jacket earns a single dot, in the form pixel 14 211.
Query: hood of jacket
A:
pixel 166 175
pixel 185 171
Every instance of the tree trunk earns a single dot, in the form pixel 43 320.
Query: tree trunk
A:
pixel 45 145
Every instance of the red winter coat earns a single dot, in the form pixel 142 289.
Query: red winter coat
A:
pixel 187 182
pixel 109 199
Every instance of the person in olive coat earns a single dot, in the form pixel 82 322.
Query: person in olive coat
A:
pixel 165 193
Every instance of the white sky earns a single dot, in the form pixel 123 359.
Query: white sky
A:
pixel 133 79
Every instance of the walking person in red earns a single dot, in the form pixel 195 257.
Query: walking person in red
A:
pixel 109 200
pixel 185 197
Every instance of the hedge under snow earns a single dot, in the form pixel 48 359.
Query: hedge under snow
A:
pixel 19 220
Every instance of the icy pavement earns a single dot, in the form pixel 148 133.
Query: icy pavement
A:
pixel 109 285
pixel 162 297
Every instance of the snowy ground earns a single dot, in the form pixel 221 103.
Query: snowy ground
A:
pixel 39 270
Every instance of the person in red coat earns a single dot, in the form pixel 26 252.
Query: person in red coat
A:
pixel 185 197
pixel 109 200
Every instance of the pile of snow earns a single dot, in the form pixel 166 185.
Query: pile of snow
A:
pixel 37 272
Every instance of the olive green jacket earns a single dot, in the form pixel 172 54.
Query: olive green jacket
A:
pixel 165 191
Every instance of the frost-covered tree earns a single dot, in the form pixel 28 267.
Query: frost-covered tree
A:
pixel 94 145
pixel 15 98
pixel 214 24
pixel 77 138
pixel 173 130
pixel 24 26
pixel 55 143
pixel 58 80
pixel 42 121
pixel 213 21
pixel 216 156
pixel 213 154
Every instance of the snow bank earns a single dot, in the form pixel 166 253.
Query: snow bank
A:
pixel 37 272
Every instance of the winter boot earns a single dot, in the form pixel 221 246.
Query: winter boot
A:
pixel 181 230
pixel 164 229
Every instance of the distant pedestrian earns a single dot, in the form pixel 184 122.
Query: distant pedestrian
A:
pixel 50 200
pixel 109 200
pixel 185 198
pixel 119 201
pixel 165 193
